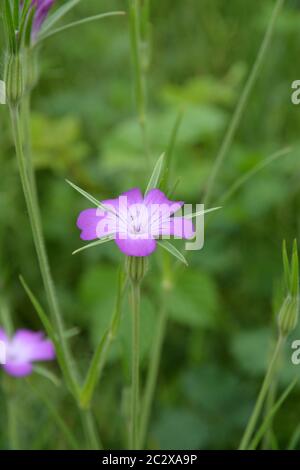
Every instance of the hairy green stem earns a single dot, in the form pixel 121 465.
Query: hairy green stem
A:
pixel 267 383
pixel 134 422
pixel 35 222
pixel 236 118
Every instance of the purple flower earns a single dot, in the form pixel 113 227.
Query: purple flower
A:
pixel 135 221
pixel 24 348
pixel 42 9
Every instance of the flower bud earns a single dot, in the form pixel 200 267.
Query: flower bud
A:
pixel 136 267
pixel 14 78
pixel 288 315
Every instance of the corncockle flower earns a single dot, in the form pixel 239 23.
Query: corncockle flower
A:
pixel 42 9
pixel 23 349
pixel 135 221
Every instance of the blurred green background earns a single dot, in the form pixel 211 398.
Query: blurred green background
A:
pixel 85 128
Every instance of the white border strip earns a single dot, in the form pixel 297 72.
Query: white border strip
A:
pixel 2 92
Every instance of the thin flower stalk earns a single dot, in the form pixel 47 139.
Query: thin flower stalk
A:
pixel 135 391
pixel 35 222
pixel 12 408
pixel 155 359
pixel 139 39
pixel 242 102
pixel 287 322
pixel 268 380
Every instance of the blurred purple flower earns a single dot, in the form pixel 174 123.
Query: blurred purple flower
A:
pixel 135 221
pixel 24 348
pixel 42 9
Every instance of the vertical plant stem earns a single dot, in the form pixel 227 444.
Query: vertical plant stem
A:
pixel 153 373
pixel 91 434
pixel 12 423
pixel 29 189
pixel 35 223
pixel 6 317
pixel 262 395
pixel 25 116
pixel 134 424
pixel 10 394
pixel 140 71
pixel 151 381
pixel 236 118
pixel 270 400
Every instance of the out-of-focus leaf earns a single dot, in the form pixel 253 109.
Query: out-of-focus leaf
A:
pixel 179 429
pixel 194 302
pixel 57 143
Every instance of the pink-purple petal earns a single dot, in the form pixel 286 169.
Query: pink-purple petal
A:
pixel 157 197
pixel 179 227
pixel 87 222
pixel 31 346
pixel 136 247
pixel 18 369
pixel 134 196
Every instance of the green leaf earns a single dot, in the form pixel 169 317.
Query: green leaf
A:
pixel 10 26
pixel 256 169
pixel 264 426
pixel 94 371
pixel 26 22
pixel 91 245
pixel 294 439
pixel 171 249
pixel 100 355
pixel 286 266
pixel 121 289
pixel 194 302
pixel 89 197
pixel 196 214
pixel 167 174
pixel 65 429
pixel 40 311
pixel 79 22
pixel 253 361
pixel 41 370
pixel 28 30
pixel 58 15
pixel 295 271
pixel 156 174
pixel 71 332
pixel 51 333
pixel 180 428
pixel 16 14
